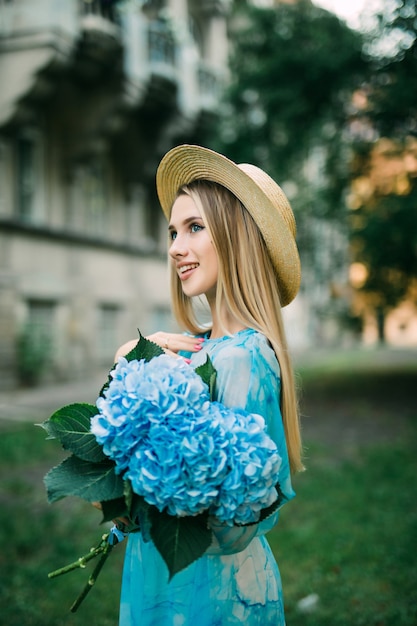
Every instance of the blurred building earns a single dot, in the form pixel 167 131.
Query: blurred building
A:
pixel 92 93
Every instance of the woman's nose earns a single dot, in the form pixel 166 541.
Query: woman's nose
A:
pixel 177 247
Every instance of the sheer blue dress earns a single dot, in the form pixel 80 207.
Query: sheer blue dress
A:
pixel 237 580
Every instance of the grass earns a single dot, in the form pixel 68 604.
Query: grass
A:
pixel 350 536
pixel 37 538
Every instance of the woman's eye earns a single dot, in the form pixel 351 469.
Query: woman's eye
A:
pixel 195 228
pixel 172 235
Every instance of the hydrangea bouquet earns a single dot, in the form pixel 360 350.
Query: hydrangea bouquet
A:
pixel 163 458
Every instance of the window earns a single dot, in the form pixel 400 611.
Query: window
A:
pixel 36 341
pixel 161 42
pixel 6 197
pixel 108 319
pixel 135 223
pixel 143 219
pixel 91 197
pixel 29 179
pixel 41 320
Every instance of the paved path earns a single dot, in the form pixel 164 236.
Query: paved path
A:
pixel 38 403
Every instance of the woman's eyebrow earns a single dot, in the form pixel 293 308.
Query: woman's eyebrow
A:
pixel 188 220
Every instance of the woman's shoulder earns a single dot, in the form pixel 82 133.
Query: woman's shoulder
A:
pixel 251 340
pixel 125 349
pixel 248 346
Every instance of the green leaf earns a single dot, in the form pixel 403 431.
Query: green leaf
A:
pixel 269 510
pixel 144 349
pixel 139 514
pixel 114 508
pixel 71 426
pixel 128 495
pixel 275 505
pixel 94 482
pixel 107 383
pixel 179 540
pixel 208 374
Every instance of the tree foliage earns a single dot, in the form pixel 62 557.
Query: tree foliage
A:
pixel 385 236
pixel 393 82
pixel 385 240
pixel 293 68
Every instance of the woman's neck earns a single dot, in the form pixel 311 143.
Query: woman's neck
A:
pixel 226 323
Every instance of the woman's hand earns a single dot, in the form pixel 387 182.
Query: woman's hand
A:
pixel 229 539
pixel 171 343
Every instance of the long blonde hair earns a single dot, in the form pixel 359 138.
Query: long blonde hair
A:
pixel 246 286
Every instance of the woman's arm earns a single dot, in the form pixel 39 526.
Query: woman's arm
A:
pixel 230 539
pixel 171 343
pixel 248 377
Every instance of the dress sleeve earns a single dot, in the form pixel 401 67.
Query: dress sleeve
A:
pixel 248 376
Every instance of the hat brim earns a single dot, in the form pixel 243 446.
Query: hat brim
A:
pixel 187 163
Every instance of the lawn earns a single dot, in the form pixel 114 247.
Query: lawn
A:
pixel 37 538
pixel 349 539
pixel 347 542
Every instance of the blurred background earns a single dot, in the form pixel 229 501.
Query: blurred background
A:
pixel 323 96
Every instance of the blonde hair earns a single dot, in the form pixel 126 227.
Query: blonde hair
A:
pixel 246 286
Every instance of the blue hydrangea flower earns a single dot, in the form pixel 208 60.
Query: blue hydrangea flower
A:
pixel 181 452
pixel 140 394
pixel 179 469
pixel 253 468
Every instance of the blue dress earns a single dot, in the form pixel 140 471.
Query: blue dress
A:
pixel 237 580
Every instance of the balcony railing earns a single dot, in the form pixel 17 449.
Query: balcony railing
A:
pixel 105 9
pixel 208 82
pixel 162 48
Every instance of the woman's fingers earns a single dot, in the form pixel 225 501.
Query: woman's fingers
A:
pixel 176 342
pixel 172 343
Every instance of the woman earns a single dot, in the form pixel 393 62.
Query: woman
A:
pixel 232 240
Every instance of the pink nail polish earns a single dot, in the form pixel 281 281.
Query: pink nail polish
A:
pixel 200 339
pixel 198 347
pixel 187 361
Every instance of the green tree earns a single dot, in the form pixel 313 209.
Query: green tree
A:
pixel 384 230
pixel 293 68
pixel 392 47
pixel 385 239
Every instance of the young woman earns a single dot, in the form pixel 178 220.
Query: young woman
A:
pixel 232 240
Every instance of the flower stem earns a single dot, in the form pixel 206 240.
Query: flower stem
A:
pixel 91 581
pixel 83 560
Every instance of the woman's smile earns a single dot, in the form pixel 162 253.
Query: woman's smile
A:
pixel 186 270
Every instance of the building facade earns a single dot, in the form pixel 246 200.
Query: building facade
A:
pixel 92 94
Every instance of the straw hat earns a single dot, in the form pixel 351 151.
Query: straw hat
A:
pixel 262 197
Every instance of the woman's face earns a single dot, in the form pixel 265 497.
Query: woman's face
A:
pixel 191 250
